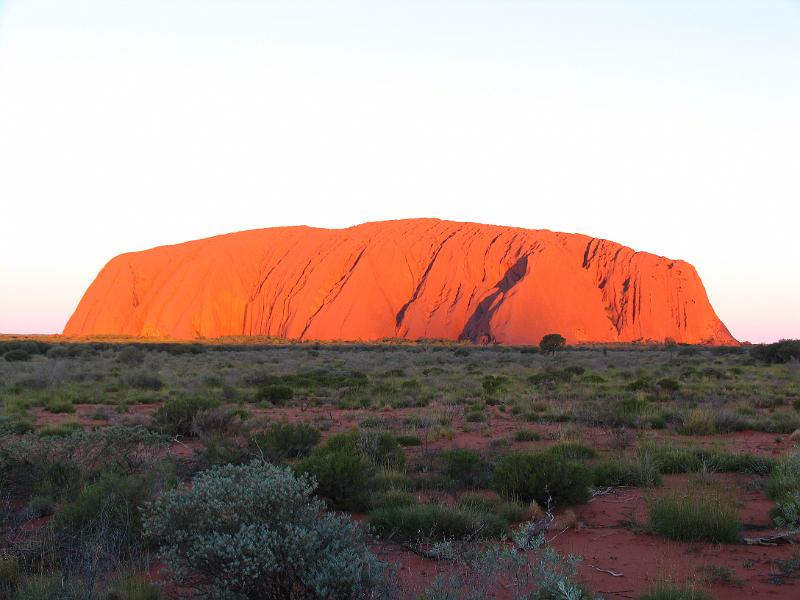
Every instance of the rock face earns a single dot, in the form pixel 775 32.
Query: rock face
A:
pixel 420 278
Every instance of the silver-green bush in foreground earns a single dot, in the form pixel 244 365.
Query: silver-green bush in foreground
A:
pixel 256 531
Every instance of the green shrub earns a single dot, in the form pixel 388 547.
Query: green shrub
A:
pixel 59 405
pixel 17 356
pixel 130 355
pixel 782 351
pixel 477 502
pixel 540 476
pixel 493 383
pixel 343 477
pixel 666 591
pixel 282 441
pixel 381 448
pixel 144 380
pixel 345 466
pixel 409 440
pixel 256 531
pixel 699 422
pixel 218 421
pixel 49 587
pixel 220 450
pixel 391 479
pixel 40 506
pixel 10 574
pixel 476 416
pixel 668 384
pixel 134 588
pixel 176 416
pixel 512 512
pixel 671 459
pixel 464 466
pixel 639 385
pixel 641 471
pixel 276 394
pixel 395 498
pixel 42 466
pixel 694 516
pixel 431 522
pixel 526 435
pixel 63 429
pixel 627 411
pixel 783 486
pixel 571 451
pixel 17 426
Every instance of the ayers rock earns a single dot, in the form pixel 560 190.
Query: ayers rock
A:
pixel 419 278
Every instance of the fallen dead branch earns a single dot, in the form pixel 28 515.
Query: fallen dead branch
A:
pixel 785 537
pixel 612 573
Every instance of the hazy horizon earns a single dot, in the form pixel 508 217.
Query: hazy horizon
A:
pixel 669 127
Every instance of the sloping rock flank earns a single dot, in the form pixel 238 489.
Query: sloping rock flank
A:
pixel 420 278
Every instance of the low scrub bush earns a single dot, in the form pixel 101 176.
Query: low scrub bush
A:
pixel 409 440
pixel 218 421
pixel 541 476
pixel 465 467
pixel 639 471
pixel 283 441
pixel 17 355
pixel 112 503
pixel 345 467
pixel 134 588
pixel 256 531
pixel 571 451
pixel 130 355
pixel 59 405
pixel 344 478
pixel 381 448
pixel 699 422
pixel 779 352
pixel 144 380
pixel 276 394
pixel 176 416
pixel 220 450
pixel 433 522
pixel 526 435
pixel 394 499
pixel 671 459
pixel 10 574
pixel 668 591
pixel 783 486
pixel 699 515
pixel 63 429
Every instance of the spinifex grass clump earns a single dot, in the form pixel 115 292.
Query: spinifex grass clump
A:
pixel 665 591
pixel 783 486
pixel 638 471
pixel 695 515
pixel 430 522
pixel 541 476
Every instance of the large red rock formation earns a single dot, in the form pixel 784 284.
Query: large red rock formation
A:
pixel 420 278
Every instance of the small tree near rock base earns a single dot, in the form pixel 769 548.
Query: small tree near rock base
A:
pixel 551 343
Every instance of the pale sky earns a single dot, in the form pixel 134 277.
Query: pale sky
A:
pixel 671 127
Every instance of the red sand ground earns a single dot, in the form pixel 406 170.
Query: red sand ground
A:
pixel 603 534
pixel 418 278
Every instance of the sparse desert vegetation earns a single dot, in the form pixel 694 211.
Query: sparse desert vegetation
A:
pixel 429 470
